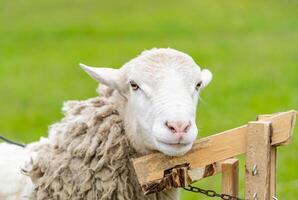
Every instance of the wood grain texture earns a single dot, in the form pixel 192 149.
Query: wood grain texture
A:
pixel 215 147
pixel 258 156
pixel 273 161
pixel 282 122
pixel 230 177
pixel 212 149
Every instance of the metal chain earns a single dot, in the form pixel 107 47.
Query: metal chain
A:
pixel 211 193
pixel 11 142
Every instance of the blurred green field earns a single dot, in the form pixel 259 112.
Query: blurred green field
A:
pixel 250 46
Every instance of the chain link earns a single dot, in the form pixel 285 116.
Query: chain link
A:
pixel 211 193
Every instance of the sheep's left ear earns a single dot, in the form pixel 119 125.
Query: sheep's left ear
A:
pixel 107 76
pixel 206 76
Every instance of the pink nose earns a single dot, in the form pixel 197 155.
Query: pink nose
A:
pixel 178 127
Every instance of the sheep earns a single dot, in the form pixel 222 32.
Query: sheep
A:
pixel 13 184
pixel 147 105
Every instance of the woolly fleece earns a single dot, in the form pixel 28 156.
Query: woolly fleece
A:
pixel 87 156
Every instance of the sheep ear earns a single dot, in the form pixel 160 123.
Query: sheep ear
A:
pixel 206 77
pixel 107 76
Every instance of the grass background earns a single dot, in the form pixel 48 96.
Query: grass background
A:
pixel 250 46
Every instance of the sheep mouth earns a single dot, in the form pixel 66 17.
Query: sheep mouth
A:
pixel 174 145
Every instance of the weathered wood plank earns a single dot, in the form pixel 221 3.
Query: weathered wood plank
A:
pixel 212 149
pixel 208 170
pixel 215 147
pixel 257 177
pixel 180 176
pixel 273 160
pixel 283 126
pixel 230 177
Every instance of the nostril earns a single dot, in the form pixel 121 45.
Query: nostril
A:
pixel 186 129
pixel 170 126
pixel 178 126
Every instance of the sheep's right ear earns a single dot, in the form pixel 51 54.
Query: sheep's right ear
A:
pixel 206 77
pixel 107 76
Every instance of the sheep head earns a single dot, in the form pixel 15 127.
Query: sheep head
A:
pixel 160 90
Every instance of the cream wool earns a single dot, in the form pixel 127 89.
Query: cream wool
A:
pixel 87 156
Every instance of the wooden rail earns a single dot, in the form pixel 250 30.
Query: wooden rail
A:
pixel 206 156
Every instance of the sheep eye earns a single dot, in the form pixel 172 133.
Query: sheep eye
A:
pixel 198 85
pixel 133 85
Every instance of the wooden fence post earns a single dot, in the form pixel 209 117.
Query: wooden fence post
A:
pixel 273 153
pixel 258 159
pixel 273 161
pixel 230 177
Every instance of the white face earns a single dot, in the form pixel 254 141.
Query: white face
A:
pixel 161 88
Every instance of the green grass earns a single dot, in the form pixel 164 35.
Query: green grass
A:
pixel 250 46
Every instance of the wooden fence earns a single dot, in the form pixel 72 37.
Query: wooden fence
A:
pixel 214 154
